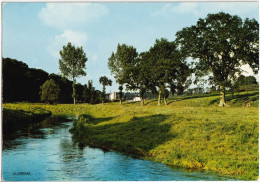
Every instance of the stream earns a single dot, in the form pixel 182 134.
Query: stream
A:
pixel 45 152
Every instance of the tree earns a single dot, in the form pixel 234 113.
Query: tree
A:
pixel 85 94
pixel 72 64
pixel 65 88
pixel 79 92
pixel 137 77
pixel 221 43
pixel 105 82
pixel 88 93
pixel 246 80
pixel 167 67
pixel 120 88
pixel 119 63
pixel 91 92
pixel 49 92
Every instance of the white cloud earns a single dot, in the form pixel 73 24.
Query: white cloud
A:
pixel 76 38
pixel 247 70
pixel 67 15
pixel 94 58
pixel 176 8
pixel 202 9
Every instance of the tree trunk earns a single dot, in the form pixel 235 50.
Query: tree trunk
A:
pixel 74 91
pixel 103 94
pixel 120 101
pixel 165 101
pixel 222 102
pixel 159 98
pixel 142 101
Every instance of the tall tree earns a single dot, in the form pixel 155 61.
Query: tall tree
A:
pixel 221 43
pixel 105 82
pixel 72 64
pixel 139 76
pixel 167 66
pixel 120 61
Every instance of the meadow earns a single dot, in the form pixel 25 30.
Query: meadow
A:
pixel 191 132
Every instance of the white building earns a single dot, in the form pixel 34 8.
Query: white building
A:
pixel 112 96
pixel 137 99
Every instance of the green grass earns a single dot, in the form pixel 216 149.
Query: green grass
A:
pixel 14 119
pixel 190 132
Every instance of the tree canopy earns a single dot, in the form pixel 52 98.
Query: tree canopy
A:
pixel 221 43
pixel 72 64
pixel 160 68
pixel 168 68
pixel 50 92
pixel 121 63
pixel 21 83
pixel 105 82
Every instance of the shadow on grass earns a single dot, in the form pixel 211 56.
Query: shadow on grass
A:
pixel 191 97
pixel 131 103
pixel 135 137
pixel 241 98
pixel 17 119
pixel 92 120
pixel 151 102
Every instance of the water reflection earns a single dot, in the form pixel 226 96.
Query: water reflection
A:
pixel 69 150
pixel 36 130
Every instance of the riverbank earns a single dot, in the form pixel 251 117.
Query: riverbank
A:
pixel 191 133
pixel 212 139
pixel 29 147
pixel 14 119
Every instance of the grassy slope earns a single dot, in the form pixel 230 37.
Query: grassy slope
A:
pixel 190 132
pixel 14 119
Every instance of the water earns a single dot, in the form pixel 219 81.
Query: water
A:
pixel 46 152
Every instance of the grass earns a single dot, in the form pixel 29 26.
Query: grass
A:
pixel 190 132
pixel 14 119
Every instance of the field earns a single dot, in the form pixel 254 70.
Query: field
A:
pixel 191 132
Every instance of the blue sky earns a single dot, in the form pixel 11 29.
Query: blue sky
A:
pixel 35 32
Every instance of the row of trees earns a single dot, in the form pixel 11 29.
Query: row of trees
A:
pixel 50 92
pixel 218 45
pixel 23 84
pixel 243 83
pixel 157 70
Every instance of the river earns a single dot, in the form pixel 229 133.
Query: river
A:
pixel 46 152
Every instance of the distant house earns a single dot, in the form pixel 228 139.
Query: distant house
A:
pixel 112 96
pixel 137 99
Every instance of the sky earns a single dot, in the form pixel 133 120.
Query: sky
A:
pixel 35 32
